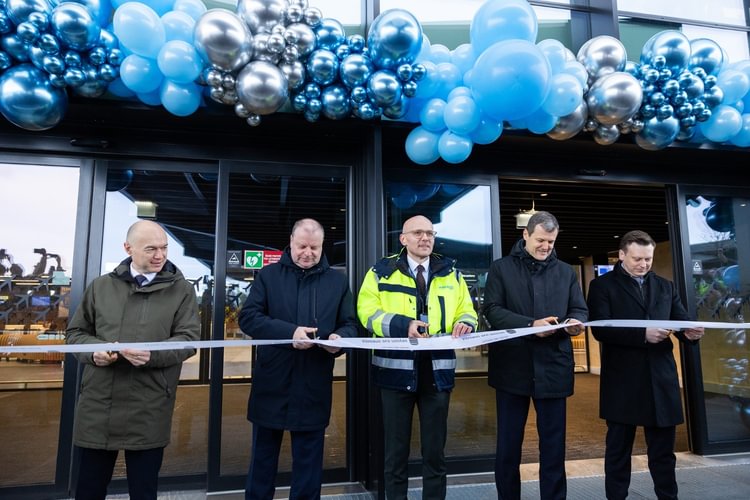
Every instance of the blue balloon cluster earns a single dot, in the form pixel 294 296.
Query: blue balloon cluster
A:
pixel 48 47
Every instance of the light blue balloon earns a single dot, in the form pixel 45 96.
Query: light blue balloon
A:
pixel 672 45
pixel 555 53
pixel 119 89
pixel 429 84
pixel 74 25
pixel 355 70
pixel 540 122
pixel 742 138
pixel 498 20
pixel 414 111
pixel 384 88
pixel 461 115
pixel 140 74
pixel 487 132
pixel 725 123
pixel 459 91
pixel 658 134
pixel 28 99
pixel 193 8
pixel 179 61
pixel 439 53
pixel 180 99
pixel 422 146
pixel 463 57
pixel 335 100
pixel 706 54
pixel 329 34
pixel 152 98
pixel 432 115
pixel 139 29
pixel 578 70
pixel 735 84
pixel 424 52
pixel 178 26
pixel 450 77
pixel 510 79
pixel 395 38
pixel 454 148
pixel 565 95
pixel 323 67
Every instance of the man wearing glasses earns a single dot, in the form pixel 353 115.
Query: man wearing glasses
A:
pixel 416 294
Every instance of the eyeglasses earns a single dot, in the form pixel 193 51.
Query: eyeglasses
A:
pixel 419 233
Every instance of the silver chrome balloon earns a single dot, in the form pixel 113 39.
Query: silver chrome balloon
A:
pixel 222 39
pixel 570 125
pixel 614 98
pixel 602 55
pixel 606 135
pixel 261 15
pixel 294 73
pixel 301 36
pixel 262 88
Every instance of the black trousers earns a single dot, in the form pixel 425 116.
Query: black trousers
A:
pixel 96 469
pixel 398 410
pixel 512 412
pixel 661 460
pixel 307 464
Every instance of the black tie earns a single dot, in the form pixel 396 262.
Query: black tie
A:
pixel 421 285
pixel 140 279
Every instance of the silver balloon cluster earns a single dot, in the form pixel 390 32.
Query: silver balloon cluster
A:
pixel 66 41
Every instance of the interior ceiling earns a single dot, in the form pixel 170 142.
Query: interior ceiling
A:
pixel 591 216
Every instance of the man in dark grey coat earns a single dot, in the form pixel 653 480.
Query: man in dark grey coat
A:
pixel 298 298
pixel 530 287
pixel 127 397
pixel 639 384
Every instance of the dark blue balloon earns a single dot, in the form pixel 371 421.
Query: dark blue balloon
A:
pixel 117 180
pixel 29 100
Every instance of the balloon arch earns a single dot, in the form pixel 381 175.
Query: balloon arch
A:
pixel 277 55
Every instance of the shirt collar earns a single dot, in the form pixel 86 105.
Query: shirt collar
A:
pixel 149 276
pixel 413 265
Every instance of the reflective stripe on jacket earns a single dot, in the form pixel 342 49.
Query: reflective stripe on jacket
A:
pixel 387 303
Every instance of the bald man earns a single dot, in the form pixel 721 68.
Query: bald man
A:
pixel 416 294
pixel 127 397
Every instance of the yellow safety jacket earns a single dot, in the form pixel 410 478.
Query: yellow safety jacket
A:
pixel 386 304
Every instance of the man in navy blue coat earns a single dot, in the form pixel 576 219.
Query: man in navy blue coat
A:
pixel 639 384
pixel 298 298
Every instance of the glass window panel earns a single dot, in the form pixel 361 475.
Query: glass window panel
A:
pixel 347 13
pixel 719 235
pixel 449 206
pixel 184 203
pixel 734 43
pixel 262 210
pixel 428 11
pixel 717 11
pixel 36 258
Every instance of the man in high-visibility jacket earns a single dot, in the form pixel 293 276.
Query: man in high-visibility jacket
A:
pixel 415 294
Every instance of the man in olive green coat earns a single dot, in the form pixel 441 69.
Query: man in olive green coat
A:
pixel 127 397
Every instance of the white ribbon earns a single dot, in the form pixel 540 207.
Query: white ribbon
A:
pixel 437 342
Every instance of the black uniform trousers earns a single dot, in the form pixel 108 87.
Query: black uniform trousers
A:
pixel 398 411
pixel 95 473
pixel 661 460
pixel 512 412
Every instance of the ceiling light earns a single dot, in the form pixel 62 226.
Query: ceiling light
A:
pixel 523 216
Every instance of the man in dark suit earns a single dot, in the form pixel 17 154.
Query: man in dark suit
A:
pixel 639 384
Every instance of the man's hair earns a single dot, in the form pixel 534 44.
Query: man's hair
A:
pixel 637 237
pixel 313 225
pixel 544 219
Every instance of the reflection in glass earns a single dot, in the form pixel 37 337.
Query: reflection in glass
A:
pixel 36 257
pixel 262 210
pixel 184 203
pixel 724 11
pixel 719 234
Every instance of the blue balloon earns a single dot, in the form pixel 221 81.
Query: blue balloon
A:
pixel 459 91
pixel 555 53
pixel 424 52
pixel 742 138
pixel 329 34
pixel 461 115
pixel 395 38
pixel 100 9
pixel 454 148
pixel 439 53
pixel 414 110
pixel 565 95
pixel 19 10
pixel 422 147
pixel 161 7
pixel 178 26
pixel 140 74
pixel 734 83
pixel 74 25
pixel 450 77
pixel 323 67
pixel 510 79
pixel 433 115
pixel 17 48
pixel 335 101
pixel 498 20
pixel 384 88
pixel 671 45
pixel 397 110
pixel 28 99
pixel 540 122
pixel 707 55
pixel 152 98
pixel 725 123
pixel 355 70
pixel 429 83
pixel 658 134
pixel 193 8
pixel 463 57
pixel 139 29
pixel 119 89
pixel 180 99
pixel 487 132
pixel 179 61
